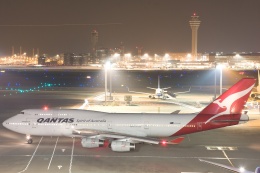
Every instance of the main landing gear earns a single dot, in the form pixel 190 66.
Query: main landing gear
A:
pixel 29 139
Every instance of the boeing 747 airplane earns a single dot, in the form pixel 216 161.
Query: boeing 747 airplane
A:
pixel 124 130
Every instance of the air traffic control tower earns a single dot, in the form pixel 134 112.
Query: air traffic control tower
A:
pixel 194 24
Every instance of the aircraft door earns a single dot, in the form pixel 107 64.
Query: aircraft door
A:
pixel 109 125
pixel 146 125
pixel 32 122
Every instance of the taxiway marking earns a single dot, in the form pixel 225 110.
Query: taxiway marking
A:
pixel 53 153
pixel 227 158
pixel 222 148
pixel 31 157
pixel 71 157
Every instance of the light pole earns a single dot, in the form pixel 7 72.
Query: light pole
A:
pixel 220 78
pixel 107 65
pixel 215 96
pixel 110 83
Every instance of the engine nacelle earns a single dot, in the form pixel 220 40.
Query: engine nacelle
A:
pixel 122 146
pixel 257 170
pixel 255 95
pixel 244 118
pixel 92 142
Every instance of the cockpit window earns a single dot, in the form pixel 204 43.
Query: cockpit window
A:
pixel 22 113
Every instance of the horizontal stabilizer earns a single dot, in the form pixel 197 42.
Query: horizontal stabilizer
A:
pixel 176 141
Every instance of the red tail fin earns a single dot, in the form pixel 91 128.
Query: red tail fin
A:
pixel 224 111
pixel 232 101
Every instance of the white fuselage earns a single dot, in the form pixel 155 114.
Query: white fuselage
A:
pixel 67 122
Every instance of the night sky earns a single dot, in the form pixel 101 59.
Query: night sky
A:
pixel 158 26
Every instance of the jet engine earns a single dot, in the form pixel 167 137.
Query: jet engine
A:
pixel 255 95
pixel 122 146
pixel 92 142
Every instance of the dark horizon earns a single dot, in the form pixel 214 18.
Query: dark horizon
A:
pixel 157 26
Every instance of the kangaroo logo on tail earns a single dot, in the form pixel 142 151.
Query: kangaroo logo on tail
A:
pixel 228 102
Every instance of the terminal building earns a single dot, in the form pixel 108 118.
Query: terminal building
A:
pixel 237 60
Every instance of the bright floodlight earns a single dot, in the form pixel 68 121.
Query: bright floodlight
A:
pixel 116 55
pixel 107 65
pixel 166 55
pixel 237 56
pixel 146 55
pixel 220 66
pixel 188 55
pixel 128 55
pixel 242 169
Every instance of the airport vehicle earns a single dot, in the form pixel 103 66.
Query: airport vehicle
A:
pixel 124 130
pixel 160 93
pixel 232 169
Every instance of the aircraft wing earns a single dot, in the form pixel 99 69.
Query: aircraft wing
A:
pixel 176 93
pixel 122 137
pixel 233 169
pixel 138 92
pixel 151 88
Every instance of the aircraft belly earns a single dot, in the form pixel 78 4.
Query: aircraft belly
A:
pixel 161 132
pixel 41 131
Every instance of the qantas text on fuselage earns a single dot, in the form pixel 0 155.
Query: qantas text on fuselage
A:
pixel 123 131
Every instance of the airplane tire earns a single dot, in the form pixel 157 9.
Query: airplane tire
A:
pixel 29 141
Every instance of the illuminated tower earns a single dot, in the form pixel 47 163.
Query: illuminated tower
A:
pixel 194 24
pixel 94 42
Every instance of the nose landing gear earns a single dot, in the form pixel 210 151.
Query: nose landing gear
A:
pixel 29 139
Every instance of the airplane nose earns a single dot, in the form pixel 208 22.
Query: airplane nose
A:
pixel 4 124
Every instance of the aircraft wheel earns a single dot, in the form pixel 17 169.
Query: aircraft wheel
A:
pixel 30 141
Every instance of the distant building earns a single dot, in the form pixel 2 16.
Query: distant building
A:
pixel 237 60
pixel 103 54
pixel 94 43
pixel 72 59
pixel 68 59
pixel 42 59
pixel 188 57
